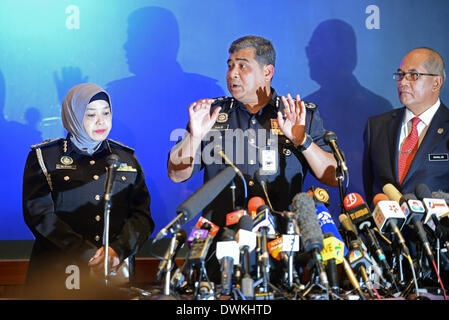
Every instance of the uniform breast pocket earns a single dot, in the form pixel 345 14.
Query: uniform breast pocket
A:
pixel 73 188
pixel 123 184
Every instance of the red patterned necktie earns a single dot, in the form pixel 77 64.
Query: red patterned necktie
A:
pixel 408 150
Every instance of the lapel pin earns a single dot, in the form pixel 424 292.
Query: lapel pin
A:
pixel 440 131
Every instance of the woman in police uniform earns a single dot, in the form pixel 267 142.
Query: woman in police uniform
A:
pixel 63 201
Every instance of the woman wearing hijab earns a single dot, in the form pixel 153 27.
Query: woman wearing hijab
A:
pixel 63 201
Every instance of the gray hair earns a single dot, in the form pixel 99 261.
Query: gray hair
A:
pixel 264 50
pixel 434 63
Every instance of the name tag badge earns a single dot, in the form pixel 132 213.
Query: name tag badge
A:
pixel 220 126
pixel 438 157
pixel 268 161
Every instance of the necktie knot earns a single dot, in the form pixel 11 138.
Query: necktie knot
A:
pixel 415 121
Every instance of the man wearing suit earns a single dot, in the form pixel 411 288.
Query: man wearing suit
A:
pixel 410 145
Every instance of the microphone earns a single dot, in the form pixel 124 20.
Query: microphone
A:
pixel 330 138
pixel 327 224
pixel 305 211
pixel 228 253
pixel 360 262
pixel 206 193
pixel 264 219
pixel 263 182
pixel 358 211
pixel 319 195
pixel 253 204
pixel 375 247
pixel 234 217
pixel 112 161
pixel 312 236
pixel 172 250
pixel 247 241
pixel 441 195
pixel 388 216
pixel 414 211
pixel 220 151
pixel 198 201
pixel 434 206
pixel 333 254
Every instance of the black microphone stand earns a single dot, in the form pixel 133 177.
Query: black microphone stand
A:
pixel 113 162
pixel 169 265
pixel 340 177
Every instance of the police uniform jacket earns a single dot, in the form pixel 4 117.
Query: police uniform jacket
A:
pixel 63 205
pixel 244 137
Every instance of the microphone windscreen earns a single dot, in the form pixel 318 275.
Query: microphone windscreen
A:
pixel 206 193
pixel 392 192
pixel 113 160
pixel 352 200
pixel 441 195
pixel 253 204
pixel 329 136
pixel 379 197
pixel 305 211
pixel 422 191
pixel 181 235
pixel 246 223
pixel 227 235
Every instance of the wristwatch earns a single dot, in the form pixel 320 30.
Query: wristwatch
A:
pixel 308 141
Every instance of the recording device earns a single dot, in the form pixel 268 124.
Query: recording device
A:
pixel 203 232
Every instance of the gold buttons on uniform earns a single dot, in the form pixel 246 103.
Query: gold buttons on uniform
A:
pixel 251 183
pixel 92 162
pixel 97 238
pixel 66 178
pixel 123 178
pixel 97 197
pixel 98 217
pixel 96 177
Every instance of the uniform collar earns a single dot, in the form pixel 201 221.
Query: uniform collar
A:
pixel 274 103
pixel 69 148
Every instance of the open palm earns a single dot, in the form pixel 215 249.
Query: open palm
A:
pixel 292 123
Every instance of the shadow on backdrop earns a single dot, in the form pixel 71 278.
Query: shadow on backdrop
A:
pixel 344 103
pixel 153 102
pixel 15 141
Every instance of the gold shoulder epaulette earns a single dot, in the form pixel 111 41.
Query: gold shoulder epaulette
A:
pixel 46 143
pixel 119 144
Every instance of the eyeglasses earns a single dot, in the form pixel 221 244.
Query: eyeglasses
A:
pixel 410 76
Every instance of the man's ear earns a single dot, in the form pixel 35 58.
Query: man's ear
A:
pixel 268 70
pixel 437 84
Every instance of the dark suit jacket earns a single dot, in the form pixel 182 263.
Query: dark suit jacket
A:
pixel 380 162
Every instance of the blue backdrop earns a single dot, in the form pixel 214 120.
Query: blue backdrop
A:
pixel 157 57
